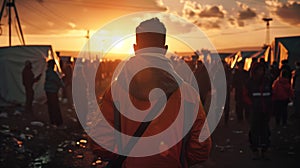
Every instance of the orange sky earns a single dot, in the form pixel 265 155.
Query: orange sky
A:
pixel 227 24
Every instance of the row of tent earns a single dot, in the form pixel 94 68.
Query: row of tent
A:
pixel 12 62
pixel 283 48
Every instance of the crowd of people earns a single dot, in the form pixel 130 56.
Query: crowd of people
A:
pixel 260 93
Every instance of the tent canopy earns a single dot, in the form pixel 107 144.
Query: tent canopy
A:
pixel 12 62
pixel 291 44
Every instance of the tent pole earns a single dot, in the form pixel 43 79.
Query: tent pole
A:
pixel 19 24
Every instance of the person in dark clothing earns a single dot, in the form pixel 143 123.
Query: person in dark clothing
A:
pixel 274 71
pixel 67 79
pixel 254 61
pixel 282 94
pixel 28 80
pixel 296 88
pixel 285 66
pixel 238 82
pixel 228 84
pixel 52 85
pixel 82 105
pixel 258 95
pixel 204 84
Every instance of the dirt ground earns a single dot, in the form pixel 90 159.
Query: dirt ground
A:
pixel 27 140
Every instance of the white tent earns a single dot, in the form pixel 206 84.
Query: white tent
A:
pixel 12 62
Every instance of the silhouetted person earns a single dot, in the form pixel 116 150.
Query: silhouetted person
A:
pixel 257 94
pixel 150 49
pixel 81 106
pixel 228 76
pixel 239 80
pixel 282 94
pixel 28 81
pixel 204 85
pixel 296 88
pixel 67 79
pixel 274 71
pixel 285 66
pixel 254 60
pixel 52 85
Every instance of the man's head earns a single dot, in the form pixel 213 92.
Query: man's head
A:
pixel 150 33
pixel 240 64
pixel 284 62
pixel 258 70
pixel 51 64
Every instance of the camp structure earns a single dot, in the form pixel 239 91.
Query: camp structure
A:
pixel 234 58
pixel 12 62
pixel 287 48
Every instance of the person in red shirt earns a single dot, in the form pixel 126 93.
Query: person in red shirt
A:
pixel 282 94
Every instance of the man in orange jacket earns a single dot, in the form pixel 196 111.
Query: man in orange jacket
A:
pixel 178 132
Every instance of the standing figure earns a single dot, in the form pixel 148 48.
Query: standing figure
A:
pixel 296 87
pixel 285 66
pixel 52 85
pixel 28 81
pixel 204 84
pixel 239 80
pixel 228 76
pixel 67 79
pixel 282 94
pixel 257 95
pixel 150 49
pixel 81 88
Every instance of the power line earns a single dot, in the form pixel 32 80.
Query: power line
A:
pixel 40 13
pixel 57 12
pixel 103 4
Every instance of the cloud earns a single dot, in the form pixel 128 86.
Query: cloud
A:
pixel 240 23
pixel 287 12
pixel 231 20
pixel 247 14
pixel 208 24
pixel 213 11
pixel 206 17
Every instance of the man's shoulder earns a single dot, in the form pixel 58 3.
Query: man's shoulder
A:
pixel 188 92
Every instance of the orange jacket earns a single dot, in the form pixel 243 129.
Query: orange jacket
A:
pixel 196 152
pixel 142 84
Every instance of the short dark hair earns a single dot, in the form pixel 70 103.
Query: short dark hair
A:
pixel 51 63
pixel 151 33
pixel 284 73
pixel 285 61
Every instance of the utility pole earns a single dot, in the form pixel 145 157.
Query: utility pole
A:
pixel 88 40
pixel 267 20
pixel 11 4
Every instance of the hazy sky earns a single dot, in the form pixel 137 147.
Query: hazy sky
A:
pixel 227 23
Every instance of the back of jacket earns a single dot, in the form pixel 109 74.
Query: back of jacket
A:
pixel 139 89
